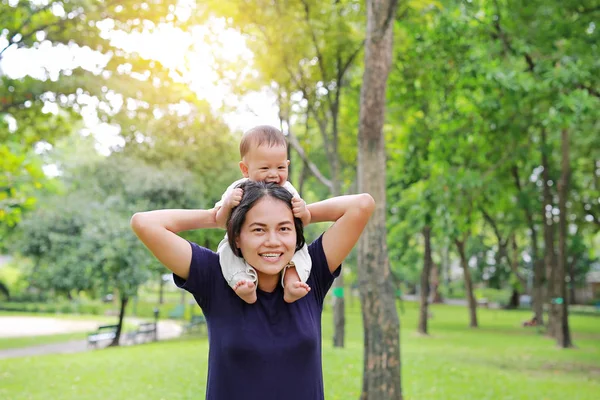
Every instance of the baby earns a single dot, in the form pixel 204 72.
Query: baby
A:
pixel 263 150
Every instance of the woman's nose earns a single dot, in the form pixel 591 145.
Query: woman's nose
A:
pixel 272 239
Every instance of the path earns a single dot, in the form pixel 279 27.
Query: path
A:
pixel 167 329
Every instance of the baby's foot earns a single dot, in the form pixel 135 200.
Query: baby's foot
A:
pixel 246 290
pixel 294 291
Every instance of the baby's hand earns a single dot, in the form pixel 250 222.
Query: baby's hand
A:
pixel 234 198
pixel 300 211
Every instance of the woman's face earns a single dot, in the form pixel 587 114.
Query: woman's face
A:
pixel 268 237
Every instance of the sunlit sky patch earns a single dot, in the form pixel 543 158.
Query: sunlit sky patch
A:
pixel 193 52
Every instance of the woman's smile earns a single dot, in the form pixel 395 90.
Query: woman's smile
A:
pixel 268 238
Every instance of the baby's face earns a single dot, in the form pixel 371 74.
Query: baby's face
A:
pixel 265 163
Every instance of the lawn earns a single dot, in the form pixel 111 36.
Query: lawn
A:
pixel 500 360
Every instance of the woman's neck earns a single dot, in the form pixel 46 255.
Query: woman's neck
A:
pixel 267 283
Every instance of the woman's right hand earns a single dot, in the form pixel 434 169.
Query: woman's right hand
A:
pixel 158 231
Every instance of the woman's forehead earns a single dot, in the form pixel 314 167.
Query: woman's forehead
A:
pixel 269 210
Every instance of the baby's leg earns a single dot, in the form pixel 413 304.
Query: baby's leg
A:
pixel 237 274
pixel 293 287
pixel 246 290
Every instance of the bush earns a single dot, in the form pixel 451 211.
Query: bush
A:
pixel 66 308
pixel 500 296
pixel 89 308
pixel 455 290
pixel 34 307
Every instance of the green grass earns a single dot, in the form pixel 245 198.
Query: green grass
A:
pixel 498 361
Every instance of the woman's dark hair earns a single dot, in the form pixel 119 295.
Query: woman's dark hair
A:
pixel 253 192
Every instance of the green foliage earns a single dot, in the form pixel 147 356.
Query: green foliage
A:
pixel 12 276
pixel 81 240
pixel 473 86
pixel 305 53
pixel 37 110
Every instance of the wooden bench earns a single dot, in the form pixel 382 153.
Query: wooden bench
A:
pixel 104 332
pixel 145 332
pixel 196 322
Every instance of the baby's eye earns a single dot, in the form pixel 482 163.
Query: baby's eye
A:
pixel 281 167
pixel 264 168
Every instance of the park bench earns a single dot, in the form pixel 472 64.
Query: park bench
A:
pixel 104 332
pixel 196 322
pixel 177 312
pixel 145 332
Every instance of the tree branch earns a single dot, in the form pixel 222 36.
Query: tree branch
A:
pixel 490 220
pixel 311 166
pixel 389 16
pixel 23 25
pixel 317 49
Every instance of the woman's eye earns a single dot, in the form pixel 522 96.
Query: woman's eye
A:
pixel 258 230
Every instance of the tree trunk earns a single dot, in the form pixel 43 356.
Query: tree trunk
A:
pixel 161 289
pixel 381 362
pixel 549 253
pixel 562 332
pixel 434 284
pixel 339 306
pixel 339 303
pixel 460 246
pixel 513 261
pixel 514 301
pixel 124 301
pixel 538 266
pixel 446 267
pixel 427 262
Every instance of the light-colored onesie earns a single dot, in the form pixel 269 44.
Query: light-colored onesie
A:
pixel 235 268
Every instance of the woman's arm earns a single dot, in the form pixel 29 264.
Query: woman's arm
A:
pixel 158 231
pixel 350 215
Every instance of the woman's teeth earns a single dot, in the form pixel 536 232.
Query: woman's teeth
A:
pixel 271 255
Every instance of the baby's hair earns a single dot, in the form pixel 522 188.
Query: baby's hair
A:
pixel 259 135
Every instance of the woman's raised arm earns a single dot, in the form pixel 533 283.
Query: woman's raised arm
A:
pixel 350 215
pixel 158 231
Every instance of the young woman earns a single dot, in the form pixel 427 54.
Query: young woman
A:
pixel 270 349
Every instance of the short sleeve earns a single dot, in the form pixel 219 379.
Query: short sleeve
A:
pixel 320 278
pixel 204 270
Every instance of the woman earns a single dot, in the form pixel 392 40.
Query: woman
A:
pixel 270 349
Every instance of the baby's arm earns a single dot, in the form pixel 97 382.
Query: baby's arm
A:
pixel 230 200
pixel 298 205
pixel 224 206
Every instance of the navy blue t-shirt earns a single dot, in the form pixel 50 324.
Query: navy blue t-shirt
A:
pixel 269 350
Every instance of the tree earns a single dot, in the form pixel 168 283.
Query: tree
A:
pixel 304 51
pixel 36 110
pixel 82 239
pixel 381 371
pixel 563 334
